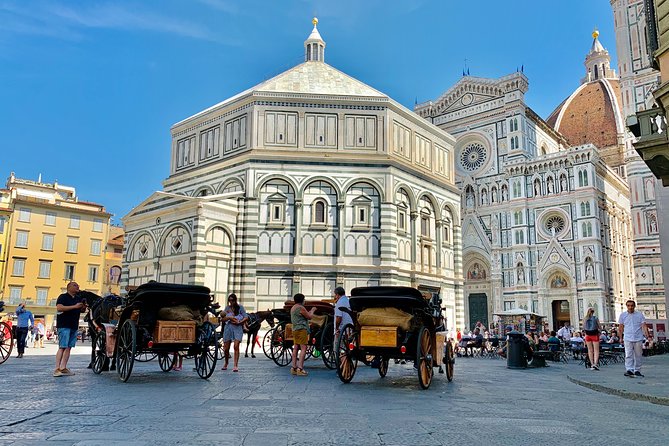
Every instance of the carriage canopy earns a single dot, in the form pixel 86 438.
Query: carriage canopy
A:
pixel 404 298
pixel 166 295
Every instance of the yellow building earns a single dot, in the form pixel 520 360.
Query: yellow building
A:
pixel 53 238
pixel 5 218
pixel 113 260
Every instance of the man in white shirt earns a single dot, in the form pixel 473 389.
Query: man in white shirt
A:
pixel 632 328
pixel 565 332
pixel 341 317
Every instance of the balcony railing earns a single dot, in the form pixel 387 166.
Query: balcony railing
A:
pixel 652 144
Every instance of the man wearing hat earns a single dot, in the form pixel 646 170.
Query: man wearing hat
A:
pixel 24 323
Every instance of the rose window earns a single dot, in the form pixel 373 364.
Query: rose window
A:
pixel 473 156
pixel 554 224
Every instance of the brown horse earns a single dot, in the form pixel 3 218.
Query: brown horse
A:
pixel 253 326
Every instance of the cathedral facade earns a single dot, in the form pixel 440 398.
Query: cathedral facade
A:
pixel 545 226
pixel 305 182
pixel 596 113
pixel 638 80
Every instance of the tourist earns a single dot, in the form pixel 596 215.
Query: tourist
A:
pixel 178 362
pixel 553 342
pixel 299 317
pixel 603 337
pixel 632 327
pixel 565 332
pixel 24 324
pixel 69 307
pixel 576 342
pixel 342 318
pixel 614 338
pixel 234 319
pixel 591 328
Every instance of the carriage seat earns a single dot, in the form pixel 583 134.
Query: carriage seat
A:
pixel 317 321
pixel 179 313
pixel 385 317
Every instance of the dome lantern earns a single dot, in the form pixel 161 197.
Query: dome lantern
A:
pixel 597 61
pixel 314 46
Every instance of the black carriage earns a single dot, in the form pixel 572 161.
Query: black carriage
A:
pixel 159 320
pixel 6 338
pixel 278 343
pixel 394 323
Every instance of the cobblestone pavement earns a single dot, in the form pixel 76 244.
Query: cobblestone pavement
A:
pixel 264 405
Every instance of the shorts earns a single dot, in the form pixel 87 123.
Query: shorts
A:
pixel 67 337
pixel 300 337
pixel 591 338
pixel 233 333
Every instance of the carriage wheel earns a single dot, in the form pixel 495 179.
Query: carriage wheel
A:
pixel 167 361
pixel 311 351
pixel 220 351
pixel 100 353
pixel 145 356
pixel 383 367
pixel 6 342
pixel 126 349
pixel 449 360
pixel 424 360
pixel 282 350
pixel 205 360
pixel 267 343
pixel 345 355
pixel 327 347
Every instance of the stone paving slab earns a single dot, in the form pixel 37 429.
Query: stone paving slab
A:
pixel 264 405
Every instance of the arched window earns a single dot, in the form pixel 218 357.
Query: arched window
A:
pixel 318 210
pixel 505 192
pixel 513 143
pixel 596 72
pixel 587 229
pixel 516 138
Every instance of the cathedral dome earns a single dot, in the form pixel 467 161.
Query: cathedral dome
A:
pixel 593 112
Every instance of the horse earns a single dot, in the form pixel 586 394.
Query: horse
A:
pixel 99 312
pixel 253 326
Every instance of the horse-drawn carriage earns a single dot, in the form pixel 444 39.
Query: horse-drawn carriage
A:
pixel 279 340
pixel 394 323
pixel 6 338
pixel 156 319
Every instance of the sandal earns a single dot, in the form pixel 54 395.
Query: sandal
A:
pixel 235 369
pixel 225 367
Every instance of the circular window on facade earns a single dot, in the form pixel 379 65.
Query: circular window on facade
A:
pixel 554 224
pixel 473 156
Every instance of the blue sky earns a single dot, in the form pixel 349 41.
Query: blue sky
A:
pixel 90 88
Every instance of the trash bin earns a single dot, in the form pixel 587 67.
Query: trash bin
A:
pixel 515 351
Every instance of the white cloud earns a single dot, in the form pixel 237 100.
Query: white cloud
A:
pixel 55 19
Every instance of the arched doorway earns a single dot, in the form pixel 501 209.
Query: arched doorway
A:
pixel 561 313
pixel 477 290
pixel 478 309
pixel 559 292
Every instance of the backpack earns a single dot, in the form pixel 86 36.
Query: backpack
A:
pixel 590 324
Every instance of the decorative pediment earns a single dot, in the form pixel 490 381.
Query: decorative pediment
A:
pixel 473 235
pixel 361 199
pixel 555 254
pixel 471 91
pixel 277 196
